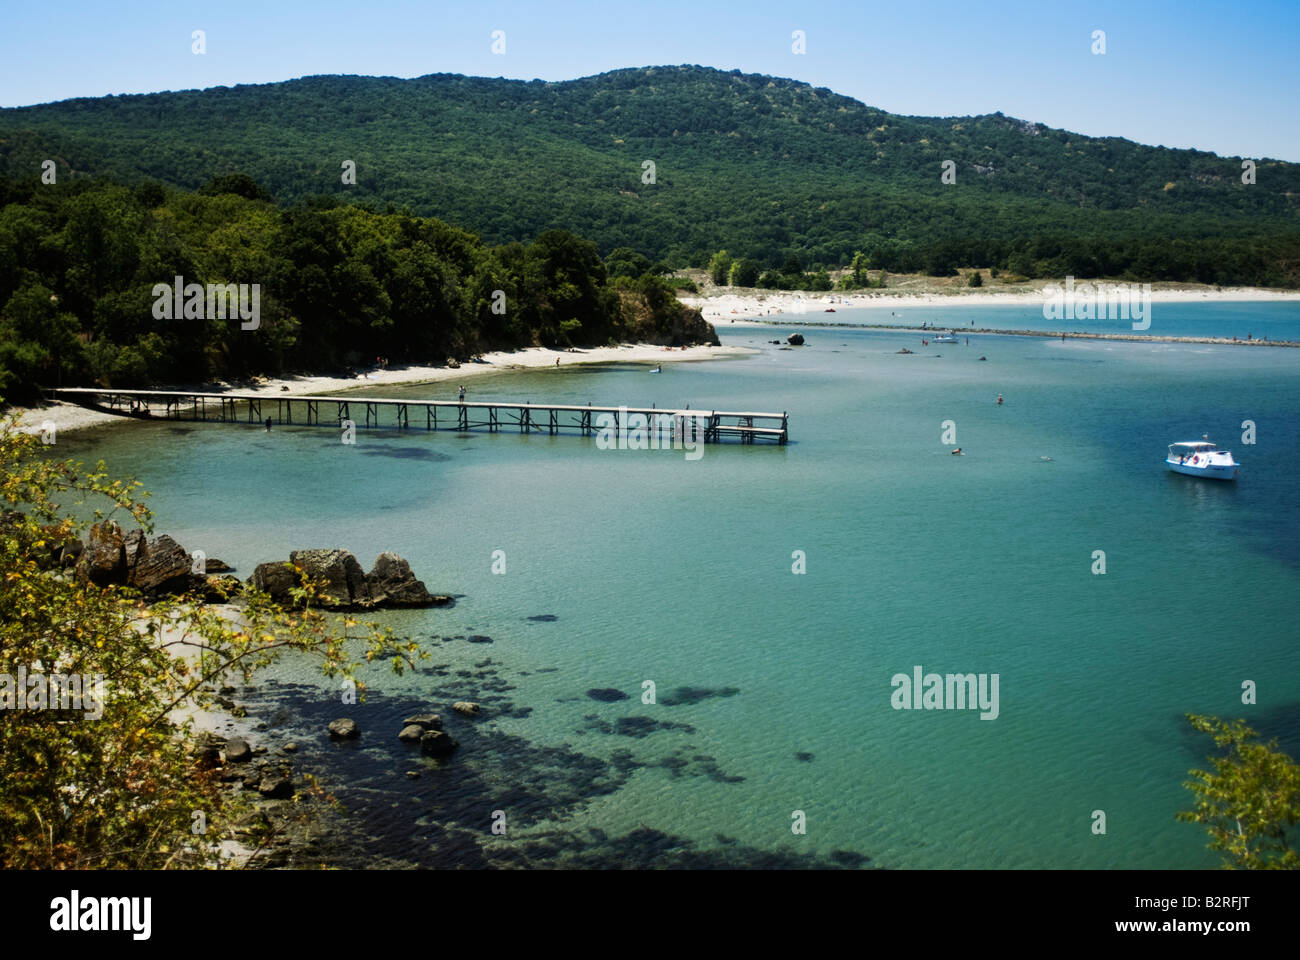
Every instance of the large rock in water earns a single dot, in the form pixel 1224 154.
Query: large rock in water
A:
pixel 157 565
pixel 275 579
pixel 392 583
pixel 437 744
pixel 344 729
pixel 344 580
pixel 103 561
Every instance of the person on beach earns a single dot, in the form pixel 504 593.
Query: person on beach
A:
pixel 557 361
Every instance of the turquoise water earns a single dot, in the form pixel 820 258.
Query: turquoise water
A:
pixel 679 572
pixel 1272 321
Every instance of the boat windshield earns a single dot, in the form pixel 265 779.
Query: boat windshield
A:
pixel 1181 451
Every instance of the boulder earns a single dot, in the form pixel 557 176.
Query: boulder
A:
pixel 437 744
pixel 103 561
pixel 214 565
pixel 72 551
pixel 216 589
pixel 344 580
pixel 466 708
pixel 238 751
pixel 344 729
pixel 392 584
pixel 453 363
pixel 275 579
pixel 795 339
pixel 158 565
pixel 275 786
pixel 411 733
pixel 426 721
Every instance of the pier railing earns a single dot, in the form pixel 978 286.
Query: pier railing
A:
pixel 708 426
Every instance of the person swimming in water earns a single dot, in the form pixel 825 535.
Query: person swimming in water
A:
pixel 999 399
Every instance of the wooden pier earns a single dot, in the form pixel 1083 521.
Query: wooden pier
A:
pixel 707 426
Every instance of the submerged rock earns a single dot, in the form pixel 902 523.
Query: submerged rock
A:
pixel 466 708
pixel 437 744
pixel 238 751
pixel 425 721
pixel 411 733
pixel 606 694
pixel 275 786
pixel 344 729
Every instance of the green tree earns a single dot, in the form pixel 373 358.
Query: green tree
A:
pixel 975 280
pixel 1251 799
pixel 859 270
pixel 719 267
pixel 744 272
pixel 120 790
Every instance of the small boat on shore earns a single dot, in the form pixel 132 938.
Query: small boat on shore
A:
pixel 1200 458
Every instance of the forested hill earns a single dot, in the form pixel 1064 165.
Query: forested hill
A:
pixel 762 166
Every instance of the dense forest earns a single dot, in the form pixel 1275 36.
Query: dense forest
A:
pixel 339 285
pixel 760 166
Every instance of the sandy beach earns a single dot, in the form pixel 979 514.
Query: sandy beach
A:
pixel 744 305
pixel 67 416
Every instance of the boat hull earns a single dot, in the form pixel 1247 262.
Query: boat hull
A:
pixel 1213 471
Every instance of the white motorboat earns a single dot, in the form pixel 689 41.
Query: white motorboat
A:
pixel 945 338
pixel 1200 458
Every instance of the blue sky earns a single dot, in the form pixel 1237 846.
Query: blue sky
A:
pixel 1215 76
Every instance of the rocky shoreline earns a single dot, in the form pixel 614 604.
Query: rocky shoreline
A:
pixel 161 567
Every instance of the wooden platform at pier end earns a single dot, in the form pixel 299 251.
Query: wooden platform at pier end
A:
pixel 707 426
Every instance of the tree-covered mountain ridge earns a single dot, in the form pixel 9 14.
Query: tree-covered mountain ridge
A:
pixel 760 165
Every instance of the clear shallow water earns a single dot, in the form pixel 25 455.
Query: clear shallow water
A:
pixel 658 568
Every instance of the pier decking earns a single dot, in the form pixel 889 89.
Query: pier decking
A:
pixel 707 426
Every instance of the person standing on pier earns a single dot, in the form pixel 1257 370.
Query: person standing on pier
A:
pixel 462 393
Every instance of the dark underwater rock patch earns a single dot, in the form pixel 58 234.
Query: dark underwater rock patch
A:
pixel 606 694
pixel 637 727
pixel 804 757
pixel 544 618
pixel 684 695
pixel 405 453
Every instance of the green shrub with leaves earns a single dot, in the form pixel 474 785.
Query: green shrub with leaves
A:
pixel 1250 802
pixel 122 790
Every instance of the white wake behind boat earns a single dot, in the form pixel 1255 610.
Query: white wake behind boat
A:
pixel 1200 458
